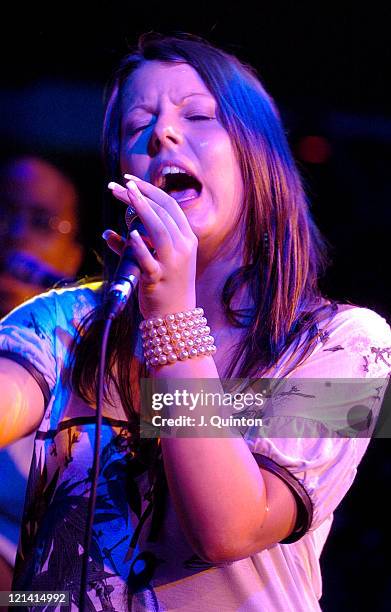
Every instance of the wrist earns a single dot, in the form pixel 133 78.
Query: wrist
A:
pixel 181 304
pixel 177 336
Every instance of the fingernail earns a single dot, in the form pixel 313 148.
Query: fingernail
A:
pixel 130 176
pixel 112 185
pixel 132 185
pixel 106 234
pixel 134 234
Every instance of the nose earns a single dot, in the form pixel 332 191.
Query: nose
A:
pixel 167 133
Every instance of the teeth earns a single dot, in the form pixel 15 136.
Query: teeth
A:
pixel 169 170
pixel 172 170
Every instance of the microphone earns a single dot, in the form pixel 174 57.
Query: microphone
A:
pixel 30 270
pixel 126 276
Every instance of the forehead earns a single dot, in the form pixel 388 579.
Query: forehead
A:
pixel 154 80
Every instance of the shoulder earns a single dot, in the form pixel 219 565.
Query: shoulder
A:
pixel 349 318
pixel 48 317
pixel 71 302
pixel 39 332
pixel 87 293
pixel 356 342
pixel 77 302
pixel 357 329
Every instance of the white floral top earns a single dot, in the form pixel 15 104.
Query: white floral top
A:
pixel 312 437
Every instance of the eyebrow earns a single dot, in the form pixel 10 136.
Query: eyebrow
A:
pixel 189 95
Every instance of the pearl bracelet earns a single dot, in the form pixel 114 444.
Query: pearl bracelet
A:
pixel 181 335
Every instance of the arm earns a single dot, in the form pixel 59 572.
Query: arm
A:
pixel 228 507
pixel 21 402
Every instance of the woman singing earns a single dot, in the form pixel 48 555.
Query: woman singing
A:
pixel 195 145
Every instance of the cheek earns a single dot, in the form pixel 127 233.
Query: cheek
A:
pixel 222 167
pixel 127 162
pixel 131 161
pixel 134 166
pixel 127 166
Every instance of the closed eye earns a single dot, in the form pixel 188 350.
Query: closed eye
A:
pixel 139 129
pixel 200 118
pixel 134 131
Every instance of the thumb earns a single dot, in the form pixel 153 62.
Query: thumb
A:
pixel 114 241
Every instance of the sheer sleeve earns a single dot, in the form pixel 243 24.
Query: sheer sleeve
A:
pixel 27 336
pixel 318 421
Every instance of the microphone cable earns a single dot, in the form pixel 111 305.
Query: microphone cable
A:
pixel 123 286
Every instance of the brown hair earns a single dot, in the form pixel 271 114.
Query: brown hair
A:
pixel 284 251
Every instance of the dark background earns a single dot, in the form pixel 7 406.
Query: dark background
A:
pixel 327 66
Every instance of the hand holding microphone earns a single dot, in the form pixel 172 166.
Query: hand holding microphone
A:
pixel 126 275
pixel 167 274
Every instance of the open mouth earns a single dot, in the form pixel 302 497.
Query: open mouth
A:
pixel 181 186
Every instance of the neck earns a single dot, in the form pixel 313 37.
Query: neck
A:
pixel 212 273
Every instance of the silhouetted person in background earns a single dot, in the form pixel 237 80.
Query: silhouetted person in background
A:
pixel 38 229
pixel 38 236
